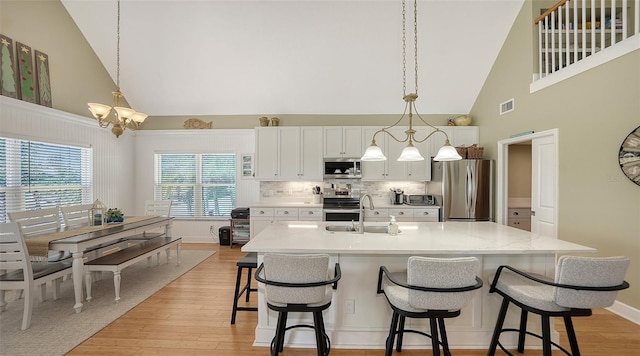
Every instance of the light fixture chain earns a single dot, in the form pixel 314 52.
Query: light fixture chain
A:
pixel 404 51
pixel 415 40
pixel 118 50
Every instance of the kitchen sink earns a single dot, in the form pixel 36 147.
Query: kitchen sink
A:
pixel 348 228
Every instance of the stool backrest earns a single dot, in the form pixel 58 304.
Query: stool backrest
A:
pixel 441 273
pixel 76 215
pixel 39 221
pixel 589 272
pixel 296 269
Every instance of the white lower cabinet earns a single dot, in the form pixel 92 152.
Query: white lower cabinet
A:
pixel 259 219
pixel 310 214
pixel 426 215
pixel 376 215
pixel 520 218
pixel 401 214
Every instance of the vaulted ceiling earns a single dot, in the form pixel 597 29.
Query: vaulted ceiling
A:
pixel 214 57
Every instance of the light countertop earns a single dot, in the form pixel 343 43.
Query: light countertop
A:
pixel 476 238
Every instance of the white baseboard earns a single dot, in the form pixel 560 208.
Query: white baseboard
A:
pixel 625 311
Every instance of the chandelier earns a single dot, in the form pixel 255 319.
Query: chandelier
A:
pixel 123 117
pixel 410 153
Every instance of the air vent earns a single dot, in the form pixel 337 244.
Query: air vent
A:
pixel 506 107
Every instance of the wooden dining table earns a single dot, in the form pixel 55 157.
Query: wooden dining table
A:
pixel 77 240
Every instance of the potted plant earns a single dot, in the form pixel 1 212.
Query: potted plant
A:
pixel 114 215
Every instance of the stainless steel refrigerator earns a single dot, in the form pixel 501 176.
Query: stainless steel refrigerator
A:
pixel 464 189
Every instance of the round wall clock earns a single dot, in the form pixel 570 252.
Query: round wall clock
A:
pixel 629 156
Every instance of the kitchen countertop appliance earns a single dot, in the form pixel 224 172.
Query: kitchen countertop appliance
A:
pixel 420 199
pixel 396 196
pixel 466 189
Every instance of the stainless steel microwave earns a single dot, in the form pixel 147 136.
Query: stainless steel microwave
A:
pixel 419 199
pixel 342 168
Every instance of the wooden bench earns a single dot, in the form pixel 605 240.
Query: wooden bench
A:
pixel 119 260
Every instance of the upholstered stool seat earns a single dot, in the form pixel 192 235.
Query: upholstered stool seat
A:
pixel 580 284
pixel 249 262
pixel 431 288
pixel 298 283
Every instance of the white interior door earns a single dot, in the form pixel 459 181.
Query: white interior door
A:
pixel 544 186
pixel 544 181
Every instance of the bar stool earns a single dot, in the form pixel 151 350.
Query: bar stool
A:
pixel 249 261
pixel 298 283
pixel 581 284
pixel 431 288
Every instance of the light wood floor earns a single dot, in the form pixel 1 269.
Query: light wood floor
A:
pixel 191 317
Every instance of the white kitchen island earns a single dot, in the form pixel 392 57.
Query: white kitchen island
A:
pixel 360 318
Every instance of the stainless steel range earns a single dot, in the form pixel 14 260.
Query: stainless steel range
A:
pixel 341 208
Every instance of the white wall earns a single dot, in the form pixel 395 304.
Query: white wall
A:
pixel 113 158
pixel 149 143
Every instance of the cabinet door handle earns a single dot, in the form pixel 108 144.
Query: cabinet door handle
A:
pixel 286 212
pixel 376 213
pixel 425 213
pixel 401 213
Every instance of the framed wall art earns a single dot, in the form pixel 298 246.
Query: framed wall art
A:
pixel 247 166
pixel 42 75
pixel 26 78
pixel 8 84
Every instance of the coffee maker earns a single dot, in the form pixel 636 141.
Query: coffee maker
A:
pixel 396 196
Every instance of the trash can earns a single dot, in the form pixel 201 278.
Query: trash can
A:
pixel 224 232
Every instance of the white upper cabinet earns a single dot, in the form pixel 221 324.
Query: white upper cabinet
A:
pixel 458 136
pixel 296 153
pixel 267 153
pixel 343 141
pixel 289 153
pixel 311 142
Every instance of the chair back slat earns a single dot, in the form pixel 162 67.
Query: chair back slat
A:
pixel 589 272
pixel 38 221
pixel 76 215
pixel 158 207
pixel 13 250
pixel 441 273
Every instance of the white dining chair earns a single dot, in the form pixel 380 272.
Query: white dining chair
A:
pixel 19 273
pixel 37 222
pixel 76 215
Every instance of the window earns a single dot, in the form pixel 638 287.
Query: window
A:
pixel 35 175
pixel 200 185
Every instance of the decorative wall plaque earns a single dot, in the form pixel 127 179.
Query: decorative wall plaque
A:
pixel 197 124
pixel 8 68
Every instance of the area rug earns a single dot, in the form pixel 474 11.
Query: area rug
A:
pixel 56 329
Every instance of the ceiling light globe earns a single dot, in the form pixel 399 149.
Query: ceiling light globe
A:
pixel 124 114
pixel 410 154
pixel 373 154
pixel 447 153
pixel 99 111
pixel 138 117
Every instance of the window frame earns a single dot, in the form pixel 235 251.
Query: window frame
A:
pixel 198 186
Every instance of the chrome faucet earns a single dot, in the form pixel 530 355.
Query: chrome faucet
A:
pixel 361 208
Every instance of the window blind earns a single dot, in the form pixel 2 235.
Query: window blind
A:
pixel 36 175
pixel 200 185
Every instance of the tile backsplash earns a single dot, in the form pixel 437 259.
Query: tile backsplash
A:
pixel 303 190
